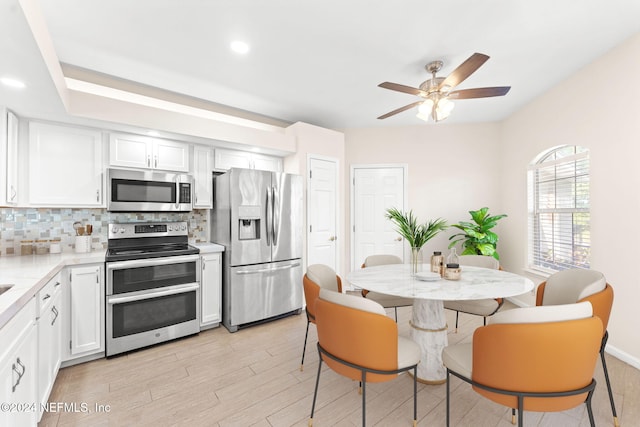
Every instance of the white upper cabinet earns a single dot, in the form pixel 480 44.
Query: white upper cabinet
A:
pixel 135 151
pixel 202 178
pixel 227 159
pixel 8 158
pixel 65 166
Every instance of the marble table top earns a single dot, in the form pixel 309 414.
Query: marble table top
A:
pixel 475 283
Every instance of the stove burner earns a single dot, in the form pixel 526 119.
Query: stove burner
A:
pixel 141 241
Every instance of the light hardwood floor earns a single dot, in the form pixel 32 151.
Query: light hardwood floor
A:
pixel 253 378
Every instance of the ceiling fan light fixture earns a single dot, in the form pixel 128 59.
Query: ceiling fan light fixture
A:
pixel 442 109
pixel 424 110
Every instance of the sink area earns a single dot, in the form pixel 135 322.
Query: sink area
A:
pixel 5 288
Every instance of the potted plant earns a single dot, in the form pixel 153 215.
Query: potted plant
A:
pixel 477 237
pixel 415 234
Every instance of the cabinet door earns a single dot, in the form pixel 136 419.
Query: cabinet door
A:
pixel 49 344
pixel 130 151
pixel 171 155
pixel 18 386
pixel 211 289
pixel 8 158
pixel 227 159
pixel 86 310
pixel 267 163
pixel 202 168
pixel 65 166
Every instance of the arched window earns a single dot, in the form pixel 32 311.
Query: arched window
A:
pixel 558 194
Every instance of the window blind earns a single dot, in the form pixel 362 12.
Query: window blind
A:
pixel 559 217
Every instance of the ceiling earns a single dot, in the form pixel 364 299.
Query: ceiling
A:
pixel 316 61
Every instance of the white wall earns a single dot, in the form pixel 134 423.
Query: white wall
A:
pixel 452 169
pixel 598 107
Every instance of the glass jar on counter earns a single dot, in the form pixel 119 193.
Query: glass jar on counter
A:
pixel 42 247
pixel 26 247
pixel 452 272
pixel 55 246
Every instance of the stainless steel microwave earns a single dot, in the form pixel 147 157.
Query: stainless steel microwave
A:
pixel 148 191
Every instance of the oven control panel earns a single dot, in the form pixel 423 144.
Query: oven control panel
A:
pixel 154 229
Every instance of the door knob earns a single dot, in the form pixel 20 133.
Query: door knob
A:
pixel 398 239
pixel 332 238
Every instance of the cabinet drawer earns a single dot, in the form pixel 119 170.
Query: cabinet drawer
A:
pixel 12 331
pixel 48 292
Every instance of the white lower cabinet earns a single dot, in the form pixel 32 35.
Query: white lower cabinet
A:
pixel 18 369
pixel 49 337
pixel 211 295
pixel 83 333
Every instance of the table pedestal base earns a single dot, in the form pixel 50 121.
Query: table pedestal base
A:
pixel 429 331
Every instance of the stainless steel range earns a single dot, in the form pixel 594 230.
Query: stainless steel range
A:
pixel 152 285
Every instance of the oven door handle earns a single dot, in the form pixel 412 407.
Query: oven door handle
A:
pixel 146 262
pixel 267 270
pixel 181 289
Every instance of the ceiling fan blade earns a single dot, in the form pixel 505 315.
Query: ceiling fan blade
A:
pixel 400 110
pixel 402 88
pixel 464 70
pixel 480 92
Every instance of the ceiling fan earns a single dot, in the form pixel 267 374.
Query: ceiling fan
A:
pixel 438 92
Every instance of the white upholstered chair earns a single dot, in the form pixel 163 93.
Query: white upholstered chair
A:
pixel 357 340
pixel 577 285
pixel 535 358
pixel 387 301
pixel 482 307
pixel 318 276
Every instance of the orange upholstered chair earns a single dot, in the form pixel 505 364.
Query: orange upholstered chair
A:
pixel 577 285
pixel 318 276
pixel 481 307
pixel 356 339
pixel 387 301
pixel 534 359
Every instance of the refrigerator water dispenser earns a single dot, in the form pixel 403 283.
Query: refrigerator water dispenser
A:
pixel 248 222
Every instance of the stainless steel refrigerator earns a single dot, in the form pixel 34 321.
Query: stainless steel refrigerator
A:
pixel 257 216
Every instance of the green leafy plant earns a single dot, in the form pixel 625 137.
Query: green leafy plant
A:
pixel 477 237
pixel 415 234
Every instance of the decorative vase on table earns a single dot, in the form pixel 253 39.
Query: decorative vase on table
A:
pixel 416 260
pixel 415 234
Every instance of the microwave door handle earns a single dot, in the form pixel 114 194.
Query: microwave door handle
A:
pixel 177 192
pixel 276 216
pixel 269 215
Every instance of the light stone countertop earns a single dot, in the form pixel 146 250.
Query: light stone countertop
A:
pixel 29 273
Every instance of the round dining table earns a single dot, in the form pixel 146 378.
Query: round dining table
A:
pixel 428 322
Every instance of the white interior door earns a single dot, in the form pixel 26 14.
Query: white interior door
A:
pixel 322 212
pixel 376 189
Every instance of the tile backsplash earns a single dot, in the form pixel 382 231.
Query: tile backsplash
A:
pixel 18 224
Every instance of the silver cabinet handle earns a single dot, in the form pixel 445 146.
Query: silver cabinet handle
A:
pixel 14 193
pixel 155 161
pixel 20 374
pixel 148 161
pixel 55 312
pixel 46 297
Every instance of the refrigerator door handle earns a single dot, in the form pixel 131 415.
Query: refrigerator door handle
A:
pixel 276 217
pixel 269 215
pixel 267 270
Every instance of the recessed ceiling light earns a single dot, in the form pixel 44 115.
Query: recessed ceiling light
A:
pixel 239 47
pixel 14 83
